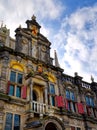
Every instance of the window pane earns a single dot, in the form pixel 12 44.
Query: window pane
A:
pixel 73 107
pixel 16 122
pixel 13 76
pixel 69 106
pixel 52 89
pixel 52 100
pixel 8 123
pixel 19 78
pixel 67 94
pixel 18 91
pixel 87 100
pixel 91 102
pixel 72 96
pixel 94 112
pixel 78 128
pixel 11 90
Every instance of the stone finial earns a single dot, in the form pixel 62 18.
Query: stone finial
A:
pixel 76 74
pixel 56 59
pixel 20 26
pixel 33 17
pixel 92 79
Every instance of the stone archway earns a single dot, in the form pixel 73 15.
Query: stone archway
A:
pixel 50 126
pixel 53 123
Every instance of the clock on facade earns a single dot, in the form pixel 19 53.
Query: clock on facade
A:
pixel 34 30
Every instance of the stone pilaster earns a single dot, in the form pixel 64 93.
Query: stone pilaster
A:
pixel 4 68
pixel 1 114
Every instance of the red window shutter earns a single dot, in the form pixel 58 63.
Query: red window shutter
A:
pixel 8 87
pixel 80 108
pixel 59 101
pixel 66 103
pixel 88 110
pixel 24 92
pixel 72 128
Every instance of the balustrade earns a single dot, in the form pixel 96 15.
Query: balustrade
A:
pixel 39 107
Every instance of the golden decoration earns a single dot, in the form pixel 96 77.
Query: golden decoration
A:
pixel 34 30
pixel 17 66
pixel 51 77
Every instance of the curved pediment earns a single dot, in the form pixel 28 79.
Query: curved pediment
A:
pixel 51 77
pixel 17 66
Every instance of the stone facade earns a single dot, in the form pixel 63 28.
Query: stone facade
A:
pixel 34 93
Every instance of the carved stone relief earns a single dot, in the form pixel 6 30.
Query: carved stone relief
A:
pixel 14 108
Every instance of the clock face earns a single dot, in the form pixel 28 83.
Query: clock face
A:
pixel 34 30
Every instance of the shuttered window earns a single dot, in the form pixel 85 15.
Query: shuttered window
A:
pixel 70 100
pixel 90 109
pixel 15 85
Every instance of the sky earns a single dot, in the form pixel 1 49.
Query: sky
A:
pixel 70 25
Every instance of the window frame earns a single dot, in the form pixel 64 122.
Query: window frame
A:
pixel 12 121
pixel 71 101
pixel 70 96
pixel 75 128
pixel 51 96
pixel 90 107
pixel 89 99
pixel 16 84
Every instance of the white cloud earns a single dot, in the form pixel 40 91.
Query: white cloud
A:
pixel 76 41
pixel 15 12
pixel 77 38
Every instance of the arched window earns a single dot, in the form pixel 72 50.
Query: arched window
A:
pixel 70 97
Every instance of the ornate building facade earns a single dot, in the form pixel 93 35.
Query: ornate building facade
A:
pixel 34 93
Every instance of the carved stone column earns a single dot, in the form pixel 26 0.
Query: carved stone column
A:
pixel 31 97
pixel 46 96
pixel 4 70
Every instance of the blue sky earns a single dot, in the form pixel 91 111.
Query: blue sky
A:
pixel 70 25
